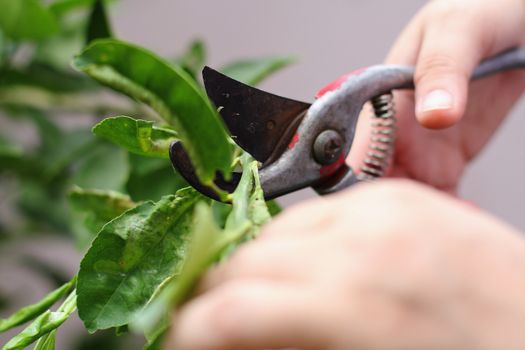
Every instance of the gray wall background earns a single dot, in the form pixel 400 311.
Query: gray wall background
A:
pixel 329 38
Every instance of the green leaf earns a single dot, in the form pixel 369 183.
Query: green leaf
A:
pixel 34 202
pixel 131 257
pixel 193 60
pixel 252 72
pixel 47 342
pixel 202 251
pixel 274 208
pixel 94 208
pixel 169 90
pixel 26 19
pixel 258 210
pixel 105 168
pixel 152 178
pixel 13 162
pixel 136 135
pixel 208 245
pixel 155 344
pixel 8 148
pixel 61 7
pixel 4 48
pixel 73 146
pixel 45 76
pixel 121 330
pixel 30 312
pixel 98 25
pixel 44 324
pixel 221 211
pixel 58 50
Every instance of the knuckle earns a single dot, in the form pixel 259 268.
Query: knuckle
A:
pixel 228 311
pixel 248 254
pixel 394 203
pixel 398 193
pixel 436 65
pixel 252 259
pixel 446 10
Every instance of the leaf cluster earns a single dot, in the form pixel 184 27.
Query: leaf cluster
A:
pixel 148 237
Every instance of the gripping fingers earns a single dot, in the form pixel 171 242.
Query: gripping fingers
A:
pixel 443 71
pixel 250 315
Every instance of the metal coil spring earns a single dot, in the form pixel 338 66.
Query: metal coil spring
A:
pixel 381 146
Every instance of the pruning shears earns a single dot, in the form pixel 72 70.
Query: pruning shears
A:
pixel 305 145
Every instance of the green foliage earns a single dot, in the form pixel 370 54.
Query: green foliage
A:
pixel 169 90
pixel 26 19
pixel 152 178
pixel 113 188
pixel 44 76
pixel 209 244
pixel 47 342
pixel 98 25
pixel 114 162
pixel 136 135
pixel 42 325
pixel 253 71
pixel 94 208
pixel 11 156
pixel 30 312
pixel 63 7
pixel 192 61
pixel 131 257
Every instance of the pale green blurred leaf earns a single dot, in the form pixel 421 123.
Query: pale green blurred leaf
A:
pixel 92 209
pixel 253 71
pixel 105 168
pixel 47 342
pixel 193 60
pixel 26 20
pixel 152 178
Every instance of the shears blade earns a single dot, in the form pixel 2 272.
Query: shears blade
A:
pixel 261 123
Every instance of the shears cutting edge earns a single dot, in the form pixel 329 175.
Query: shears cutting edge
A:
pixel 305 145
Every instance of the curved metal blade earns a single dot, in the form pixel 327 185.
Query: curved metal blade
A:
pixel 261 123
pixel 182 163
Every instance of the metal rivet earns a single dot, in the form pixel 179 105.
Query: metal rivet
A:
pixel 328 147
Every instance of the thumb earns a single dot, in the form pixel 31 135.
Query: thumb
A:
pixel 448 55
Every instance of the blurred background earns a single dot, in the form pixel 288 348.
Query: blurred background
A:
pixel 327 38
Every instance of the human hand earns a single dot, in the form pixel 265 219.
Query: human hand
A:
pixel 446 40
pixel 368 268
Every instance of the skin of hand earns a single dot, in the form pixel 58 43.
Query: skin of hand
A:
pixel 368 268
pixel 446 40
pixel 391 265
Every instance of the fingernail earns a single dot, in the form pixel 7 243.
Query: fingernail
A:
pixel 436 100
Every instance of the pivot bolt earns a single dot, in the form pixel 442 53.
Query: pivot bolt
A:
pixel 328 147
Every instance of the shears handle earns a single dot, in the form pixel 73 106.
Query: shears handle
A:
pixel 345 96
pixel 508 60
